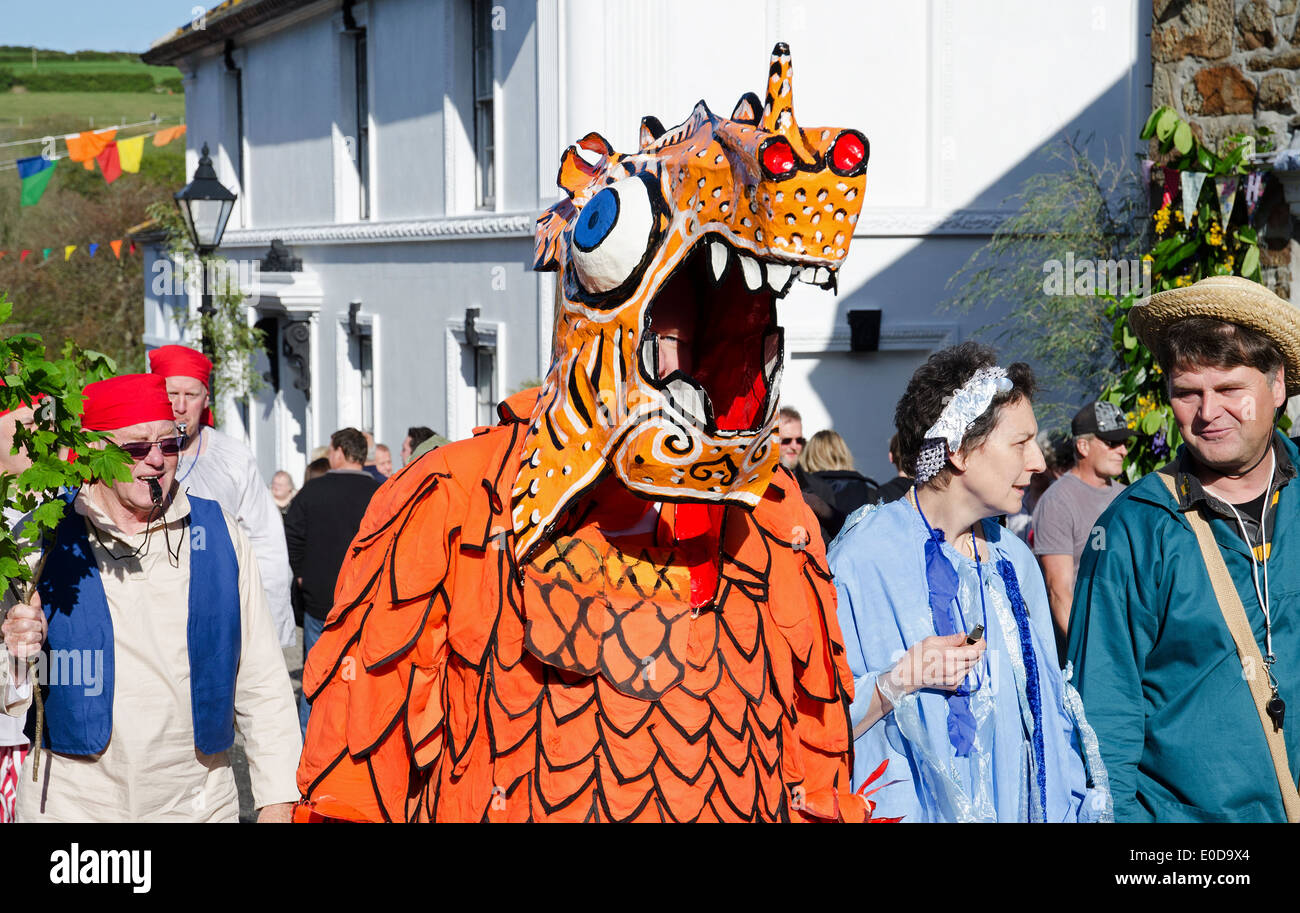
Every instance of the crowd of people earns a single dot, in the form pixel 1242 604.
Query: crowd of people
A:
pixel 1027 639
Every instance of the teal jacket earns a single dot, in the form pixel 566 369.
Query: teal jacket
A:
pixel 1157 669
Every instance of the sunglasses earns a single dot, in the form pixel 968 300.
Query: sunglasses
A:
pixel 787 441
pixel 140 449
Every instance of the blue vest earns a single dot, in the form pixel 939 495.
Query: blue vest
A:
pixel 78 722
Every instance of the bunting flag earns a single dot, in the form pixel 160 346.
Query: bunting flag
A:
pixel 110 163
pixel 1146 172
pixel 1254 190
pixel 1171 184
pixel 165 136
pixel 129 152
pixel 1225 189
pixel 1192 182
pixel 84 147
pixel 35 173
pixel 70 249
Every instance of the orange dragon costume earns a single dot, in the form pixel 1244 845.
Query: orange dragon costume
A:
pixel 612 605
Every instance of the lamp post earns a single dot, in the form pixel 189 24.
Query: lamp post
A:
pixel 205 204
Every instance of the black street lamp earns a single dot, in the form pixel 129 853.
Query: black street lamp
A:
pixel 205 204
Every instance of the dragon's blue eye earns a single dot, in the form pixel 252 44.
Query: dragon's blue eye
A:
pixel 613 235
pixel 596 220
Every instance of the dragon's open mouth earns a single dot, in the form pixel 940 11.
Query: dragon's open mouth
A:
pixel 711 340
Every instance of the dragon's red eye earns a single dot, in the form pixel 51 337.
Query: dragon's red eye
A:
pixel 778 158
pixel 848 152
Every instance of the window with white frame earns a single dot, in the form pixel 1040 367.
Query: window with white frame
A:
pixel 484 88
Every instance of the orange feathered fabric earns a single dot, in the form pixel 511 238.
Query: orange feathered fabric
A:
pixel 451 685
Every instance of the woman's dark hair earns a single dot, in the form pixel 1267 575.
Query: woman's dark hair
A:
pixel 1204 341
pixel 933 385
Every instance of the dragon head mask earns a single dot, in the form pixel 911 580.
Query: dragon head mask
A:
pixel 668 356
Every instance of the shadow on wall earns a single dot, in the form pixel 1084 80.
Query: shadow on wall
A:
pixel 860 390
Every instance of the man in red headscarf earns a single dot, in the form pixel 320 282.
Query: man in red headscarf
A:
pixel 153 644
pixel 221 468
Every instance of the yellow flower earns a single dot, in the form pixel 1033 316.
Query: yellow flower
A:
pixel 1148 258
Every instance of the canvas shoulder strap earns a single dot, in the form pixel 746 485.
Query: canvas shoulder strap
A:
pixel 1234 614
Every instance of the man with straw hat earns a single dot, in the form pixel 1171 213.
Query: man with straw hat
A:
pixel 1185 632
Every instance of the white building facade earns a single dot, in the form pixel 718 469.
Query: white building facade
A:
pixel 401 150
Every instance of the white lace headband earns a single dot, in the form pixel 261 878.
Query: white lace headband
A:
pixel 944 437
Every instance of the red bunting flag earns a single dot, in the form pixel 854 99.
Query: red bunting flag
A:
pixel 23 256
pixel 109 163
pixel 132 250
pixel 117 248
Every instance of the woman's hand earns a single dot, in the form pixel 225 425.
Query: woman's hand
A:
pixel 937 662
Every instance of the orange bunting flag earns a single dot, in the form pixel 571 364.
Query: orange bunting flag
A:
pixel 88 145
pixel 2 254
pixel 109 163
pixel 117 248
pixel 163 137
pixel 67 252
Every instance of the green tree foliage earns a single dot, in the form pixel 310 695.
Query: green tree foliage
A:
pixel 1073 210
pixel 63 455
pixel 1179 256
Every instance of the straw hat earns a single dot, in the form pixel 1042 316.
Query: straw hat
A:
pixel 1231 299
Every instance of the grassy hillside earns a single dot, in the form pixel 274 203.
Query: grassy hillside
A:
pixel 96 302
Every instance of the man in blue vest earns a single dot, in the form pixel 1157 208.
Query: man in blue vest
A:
pixel 1185 629
pixel 155 642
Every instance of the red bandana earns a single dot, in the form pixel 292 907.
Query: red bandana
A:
pixel 127 400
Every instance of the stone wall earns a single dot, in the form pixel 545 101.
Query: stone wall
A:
pixel 1233 66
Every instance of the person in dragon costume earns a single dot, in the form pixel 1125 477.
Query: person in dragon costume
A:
pixel 612 605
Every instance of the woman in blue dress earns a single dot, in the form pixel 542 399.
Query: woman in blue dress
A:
pixel 946 619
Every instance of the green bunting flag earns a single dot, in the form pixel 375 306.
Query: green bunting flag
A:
pixel 35 173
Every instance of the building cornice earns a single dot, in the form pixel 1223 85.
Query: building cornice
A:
pixel 216 25
pixel 491 225
pixel 874 223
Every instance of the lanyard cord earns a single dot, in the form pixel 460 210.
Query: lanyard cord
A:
pixel 1262 595
pixel 197 453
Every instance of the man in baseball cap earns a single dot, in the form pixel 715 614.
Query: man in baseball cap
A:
pixel 154 642
pixel 221 468
pixel 1067 512
pixel 1185 635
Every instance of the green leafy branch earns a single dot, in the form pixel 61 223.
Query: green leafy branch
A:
pixel 63 456
pixel 1181 254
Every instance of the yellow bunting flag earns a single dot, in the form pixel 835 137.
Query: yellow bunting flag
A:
pixel 117 248
pixel 129 152
pixel 67 252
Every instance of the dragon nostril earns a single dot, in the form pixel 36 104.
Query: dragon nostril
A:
pixel 777 157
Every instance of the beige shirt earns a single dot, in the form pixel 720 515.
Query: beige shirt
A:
pixel 151 770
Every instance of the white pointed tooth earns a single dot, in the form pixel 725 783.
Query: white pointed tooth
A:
pixel 688 398
pixel 778 274
pixel 808 274
pixel 752 271
pixel 717 259
pixel 823 275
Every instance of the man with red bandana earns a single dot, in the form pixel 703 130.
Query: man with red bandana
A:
pixel 221 468
pixel 155 644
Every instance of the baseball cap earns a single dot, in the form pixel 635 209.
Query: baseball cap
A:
pixel 1102 419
